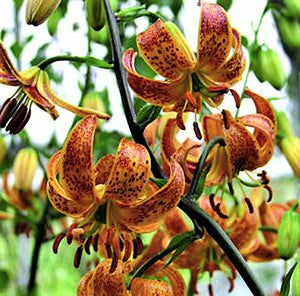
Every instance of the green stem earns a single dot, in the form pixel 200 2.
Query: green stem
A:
pixel 39 238
pixel 190 208
pixel 84 60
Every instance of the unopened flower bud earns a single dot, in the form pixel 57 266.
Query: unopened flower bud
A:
pixel 94 101
pixel 130 14
pixel 2 149
pixel 37 11
pixel 25 166
pixel 290 147
pixel 95 14
pixel 284 126
pixel 288 234
pixel 289 31
pixel 267 67
pixel 292 8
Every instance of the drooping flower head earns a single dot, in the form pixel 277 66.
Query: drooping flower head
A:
pixel 116 191
pixel 33 87
pixel 219 64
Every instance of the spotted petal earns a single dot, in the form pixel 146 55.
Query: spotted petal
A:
pixel 76 167
pixel 165 50
pixel 231 71
pixel 145 287
pixel 8 74
pixel 144 216
pixel 129 174
pixel 214 37
pixel 153 91
pixel 105 283
pixel 57 195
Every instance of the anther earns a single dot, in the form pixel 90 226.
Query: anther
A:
pixel 17 118
pixel 230 187
pixel 218 211
pixel 236 97
pixel 114 263
pixel 121 243
pixel 21 124
pixel 95 242
pixel 249 205
pixel 212 201
pixel 87 245
pixel 226 119
pixel 77 256
pixel 108 250
pixel 269 189
pixel 179 121
pixel 197 130
pixel 57 241
pixel 127 250
pixel 6 111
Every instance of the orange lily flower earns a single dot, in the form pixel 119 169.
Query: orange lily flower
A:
pixel 119 184
pixel 219 64
pixel 243 150
pixel 33 86
pixel 102 282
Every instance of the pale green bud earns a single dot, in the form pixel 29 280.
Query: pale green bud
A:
pixel 24 167
pixel 37 11
pixel 95 14
pixel 2 149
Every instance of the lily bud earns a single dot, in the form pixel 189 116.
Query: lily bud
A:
pixel 94 101
pixel 288 234
pixel 267 67
pixel 283 125
pixel 25 166
pixel 37 11
pixel 292 8
pixel 290 147
pixel 296 280
pixel 2 149
pixel 95 14
pixel 289 31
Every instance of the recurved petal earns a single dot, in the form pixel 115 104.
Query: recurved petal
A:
pixel 231 71
pixel 105 283
pixel 165 50
pixel 144 216
pixel 153 91
pixel 145 287
pixel 129 174
pixel 76 170
pixel 214 38
pixel 264 133
pixel 8 74
pixel 84 286
pixel 43 87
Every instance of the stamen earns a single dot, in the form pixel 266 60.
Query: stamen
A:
pixel 108 250
pixel 191 99
pixel 212 202
pixel 127 251
pixel 218 211
pixel 121 239
pixel 197 130
pixel 264 179
pixel 77 256
pixel 87 245
pixel 17 118
pixel 225 119
pixel 114 263
pixel 21 124
pixel 95 242
pixel 69 233
pixel 270 191
pixel 210 290
pixel 231 284
pixel 179 121
pixel 57 241
pixel 137 247
pixel 6 111
pixel 249 205
pixel 236 97
pixel 230 187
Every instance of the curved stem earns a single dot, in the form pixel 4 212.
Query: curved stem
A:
pixel 39 238
pixel 189 207
pixel 85 60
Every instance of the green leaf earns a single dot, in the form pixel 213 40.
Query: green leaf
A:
pixel 179 238
pixel 147 114
pixel 201 182
pixel 285 287
pixel 138 104
pixel 16 49
pixel 98 63
pixel 159 182
pixel 226 4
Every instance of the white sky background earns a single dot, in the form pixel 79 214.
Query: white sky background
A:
pixel 244 16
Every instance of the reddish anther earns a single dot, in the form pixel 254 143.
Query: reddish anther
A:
pixel 57 241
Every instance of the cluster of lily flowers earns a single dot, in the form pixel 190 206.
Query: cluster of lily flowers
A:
pixel 114 201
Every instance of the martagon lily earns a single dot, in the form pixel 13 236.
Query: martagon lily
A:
pixel 33 87
pixel 117 185
pixel 219 64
